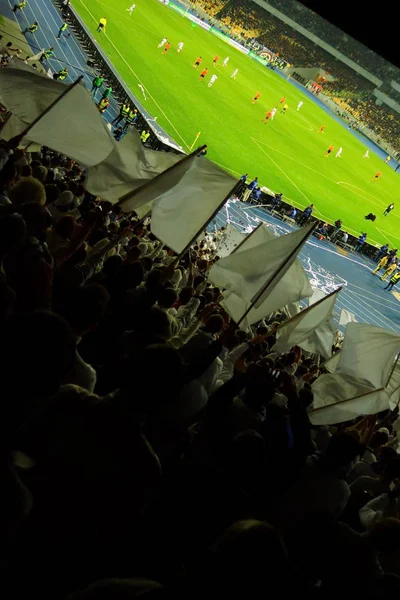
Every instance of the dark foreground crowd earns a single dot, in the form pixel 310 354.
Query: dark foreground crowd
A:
pixel 149 446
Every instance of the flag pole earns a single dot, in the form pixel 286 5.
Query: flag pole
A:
pixel 245 239
pixel 195 140
pixel 143 218
pixel 274 276
pixel 328 359
pixel 210 218
pixel 133 193
pixel 382 389
pixel 68 89
pixel 306 310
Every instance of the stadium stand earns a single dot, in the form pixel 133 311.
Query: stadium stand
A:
pixel 252 23
pixel 152 447
pixel 211 7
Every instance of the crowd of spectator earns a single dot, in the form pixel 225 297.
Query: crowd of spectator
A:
pixel 352 92
pixel 148 444
pixel 211 7
pixel 337 39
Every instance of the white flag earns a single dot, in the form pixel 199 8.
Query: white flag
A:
pixel 368 353
pixel 293 286
pixel 249 271
pixel 230 239
pixel 129 166
pixel 346 317
pixel 310 329
pixel 321 340
pixel 332 363
pixel 180 211
pixel 73 127
pixel 339 398
pixel 364 367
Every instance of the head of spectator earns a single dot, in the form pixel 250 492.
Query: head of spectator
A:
pixel 27 190
pixel 40 173
pixel 248 560
pixel 214 324
pixel 167 298
pixel 185 296
pixel 133 254
pixel 52 194
pixel 343 450
pixel 378 439
pixel 65 202
pixel 26 171
pixel 306 397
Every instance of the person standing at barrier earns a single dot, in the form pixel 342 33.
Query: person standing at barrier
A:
pixel 19 6
pixel 63 28
pixel 337 228
pixel 252 186
pixel 390 269
pixel 360 242
pixel 381 264
pixel 107 92
pixel 46 54
pixel 118 134
pixel 123 113
pixel 130 119
pixel 257 194
pixel 32 28
pixel 144 136
pixel 96 85
pixel 307 212
pixel 383 250
pixel 103 105
pixel 61 75
pixel 394 280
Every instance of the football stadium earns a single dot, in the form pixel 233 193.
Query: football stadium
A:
pixel 286 153
pixel 199 301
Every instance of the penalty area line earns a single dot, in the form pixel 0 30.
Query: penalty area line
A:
pixel 282 171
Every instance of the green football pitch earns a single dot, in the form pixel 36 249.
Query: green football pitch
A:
pixel 287 154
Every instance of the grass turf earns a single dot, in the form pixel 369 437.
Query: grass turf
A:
pixel 286 154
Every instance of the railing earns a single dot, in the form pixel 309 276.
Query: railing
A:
pixel 159 139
